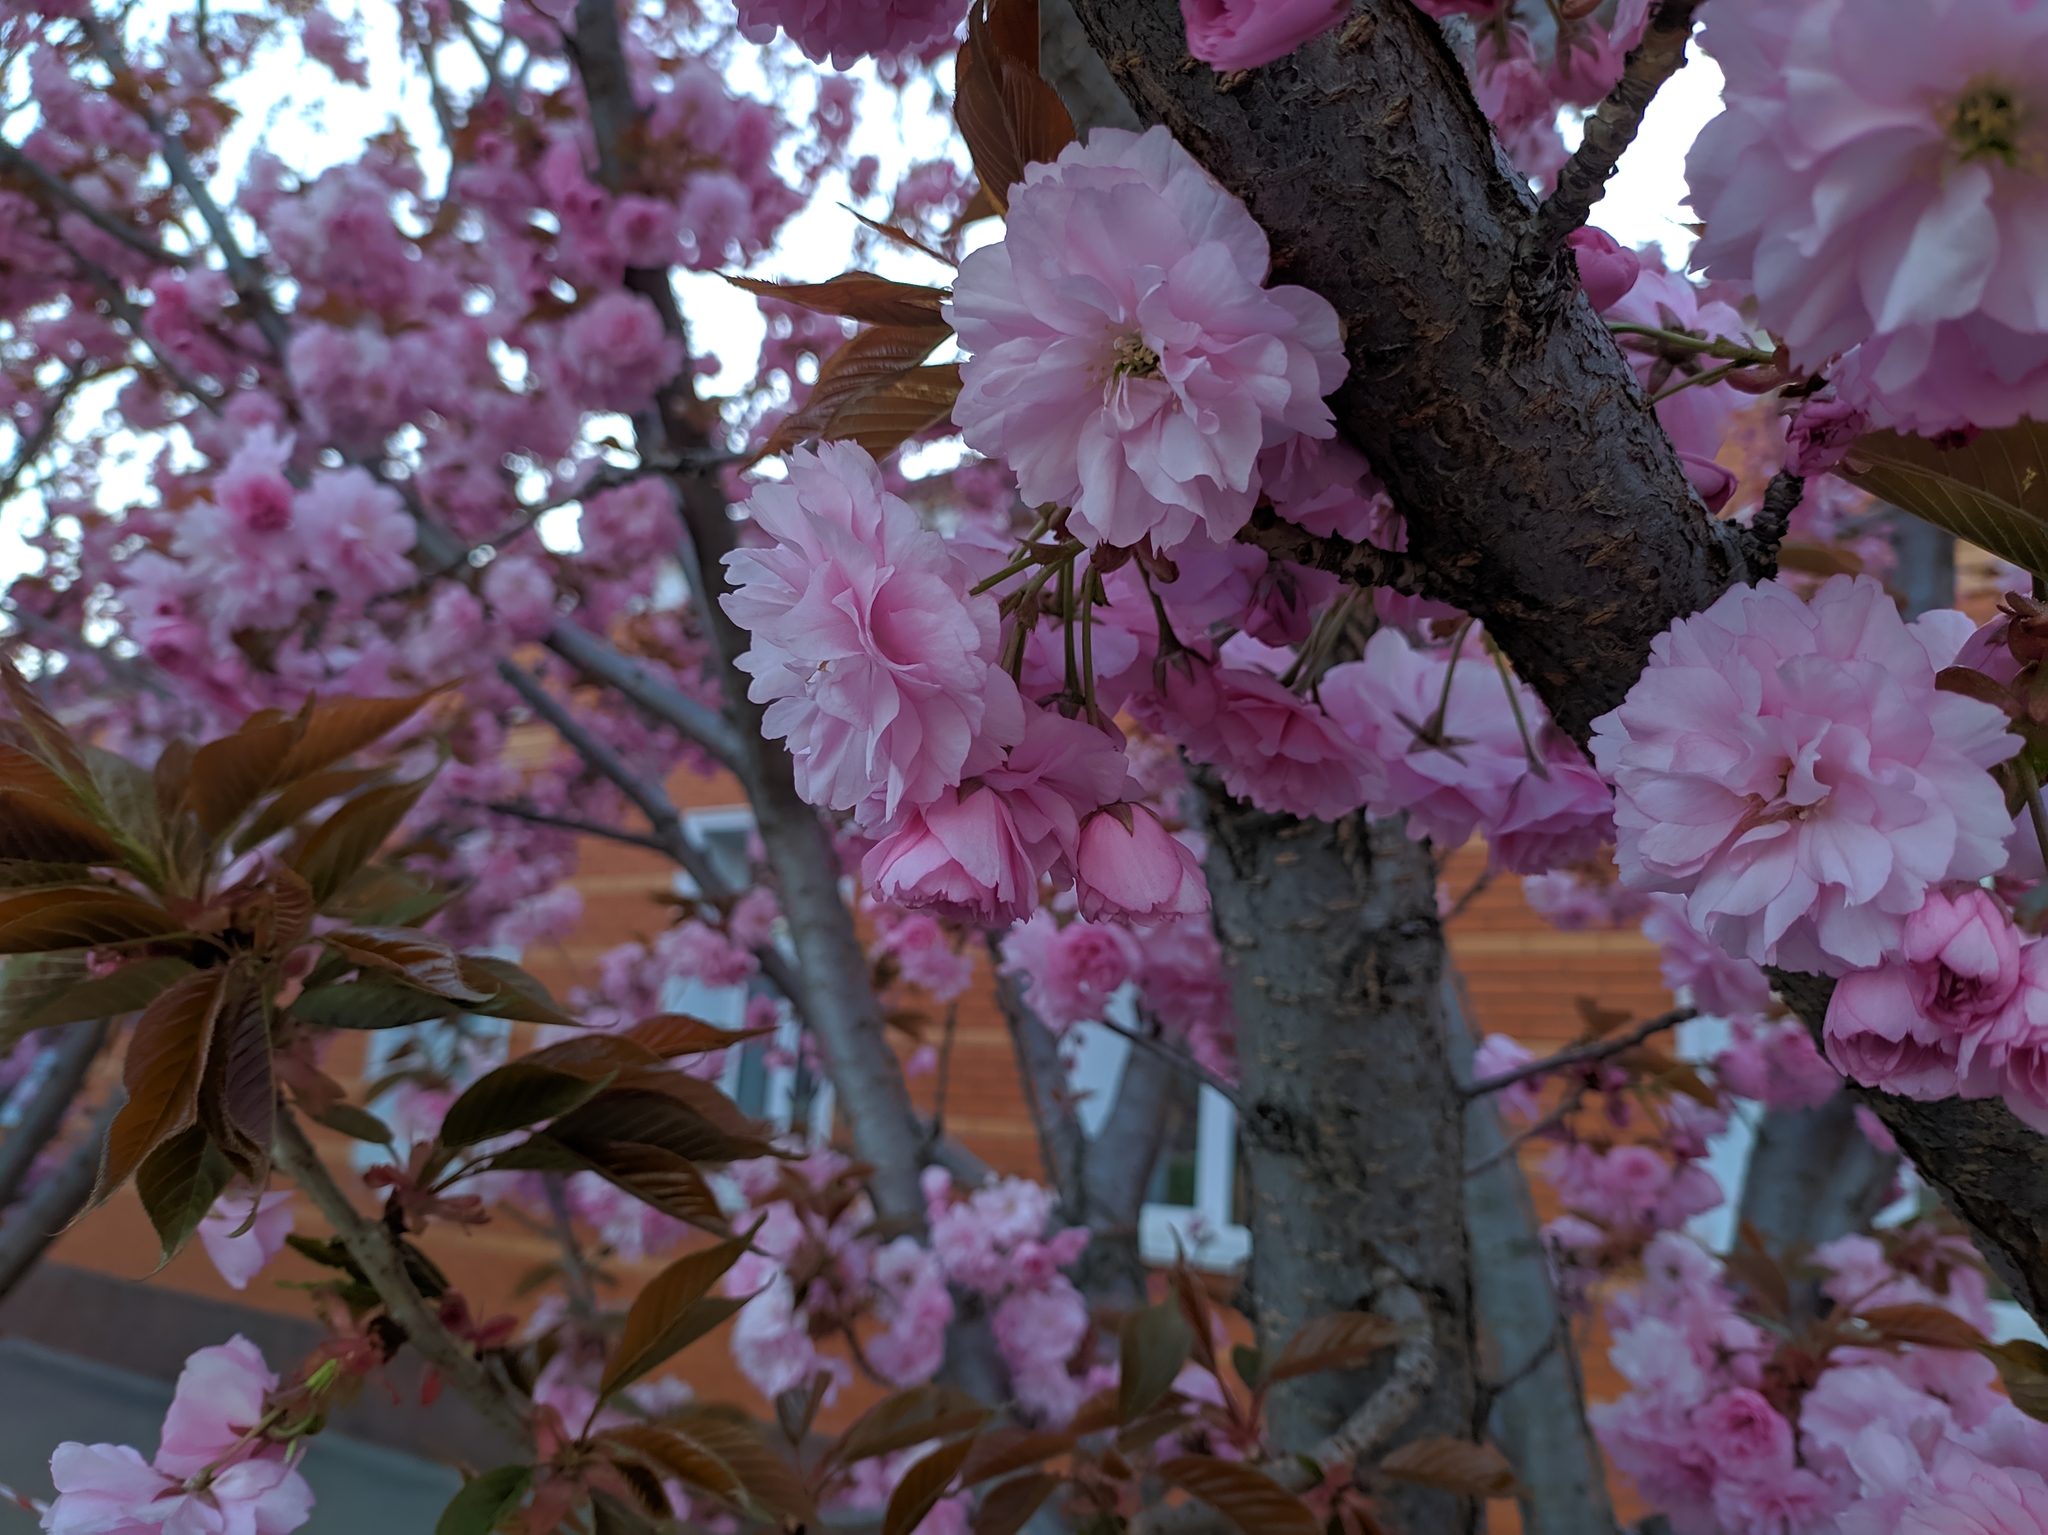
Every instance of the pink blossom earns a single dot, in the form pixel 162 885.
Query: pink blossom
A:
pixel 1061 770
pixel 960 857
pixel 1070 972
pixel 927 955
pixel 241 1255
pixel 329 43
pixel 521 594
pixel 613 354
pixel 629 524
pixel 846 30
pixel 1606 270
pixel 1570 901
pixel 1875 1033
pixel 1697 418
pixel 1792 770
pixel 1964 1495
pixel 1700 970
pixel 751 923
pixel 1137 872
pixel 872 658
pixel 1243 34
pixel 1774 1061
pixel 356 534
pixel 1183 984
pixel 916 1309
pixel 218 1397
pixel 1496 1056
pixel 1519 99
pixel 701 952
pixel 1745 1435
pixel 1124 358
pixel 1325 485
pixel 1820 433
pixel 1038 1331
pixel 1920 111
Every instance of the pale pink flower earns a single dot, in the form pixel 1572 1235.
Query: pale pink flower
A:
pixel 1183 984
pixel 1131 869
pixel 962 858
pixel 1326 485
pixel 1498 1055
pixel 356 534
pixel 218 1397
pixel 521 594
pixel 1125 360
pixel 1792 770
pixel 1070 972
pixel 1745 1435
pixel 845 31
pixel 1877 1035
pixel 1243 34
pixel 1696 968
pixel 629 524
pixel 926 954
pixel 613 354
pixel 1696 418
pixel 875 663
pixel 1873 179
pixel 1571 902
pixel 916 1310
pixel 241 1255
pixel 1053 778
pixel 1037 1332
pixel 1774 1061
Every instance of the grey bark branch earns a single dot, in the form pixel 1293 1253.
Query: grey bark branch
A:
pixel 1537 1401
pixel 43 1119
pixel 371 1245
pixel 1352 1130
pixel 1538 489
pixel 56 1202
pixel 1612 126
pixel 14 160
pixel 1581 1055
pixel 660 701
pixel 840 1005
pixel 1813 1176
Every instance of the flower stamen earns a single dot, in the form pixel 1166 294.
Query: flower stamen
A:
pixel 1988 121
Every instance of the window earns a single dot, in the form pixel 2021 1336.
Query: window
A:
pixel 1193 1205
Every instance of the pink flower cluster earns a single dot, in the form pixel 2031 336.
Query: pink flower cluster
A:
pixel 1960 1009
pixel 1726 1443
pixel 1874 180
pixel 1791 769
pixel 213 1473
pixel 1125 357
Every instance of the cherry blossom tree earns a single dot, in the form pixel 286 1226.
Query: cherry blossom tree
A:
pixel 1321 492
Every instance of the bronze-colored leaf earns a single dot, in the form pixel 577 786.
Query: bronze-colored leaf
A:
pixel 1456 1465
pixel 133 986
pixel 78 917
pixel 294 803
pixel 337 727
pixel 511 1098
pixel 866 361
pixel 677 1455
pixel 509 992
pixel 1008 115
pixel 178 1183
pixel 46 831
pixel 923 1484
pixel 882 419
pixel 231 774
pixel 861 296
pixel 426 962
pixel 1991 490
pixel 1010 1450
pixel 1335 1342
pixel 238 1096
pixel 1245 1495
pixel 53 743
pixel 1193 1300
pixel 1153 1348
pixel 906 1418
pixel 165 1064
pixel 663 1313
pixel 369 1004
pixel 1008 1508
pixel 23 772
pixel 1926 1325
pixel 350 837
pixel 664 1119
pixel 659 1179
pixel 595 1055
pixel 2023 1369
pixel 766 1476
pixel 675 1034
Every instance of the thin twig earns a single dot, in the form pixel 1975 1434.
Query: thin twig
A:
pixel 1181 1059
pixel 1558 1112
pixel 1477 888
pixel 375 1251
pixel 583 1290
pixel 566 823
pixel 32 445
pixel 1611 129
pixel 1581 1054
pixel 13 159
pixel 1359 564
pixel 938 1124
pixel 1493 1390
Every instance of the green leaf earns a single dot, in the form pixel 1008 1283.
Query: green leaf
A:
pixel 350 837
pixel 509 992
pixel 669 1313
pixel 178 1183
pixel 369 1005
pixel 1243 1494
pixel 357 1124
pixel 131 987
pixel 31 982
pixel 511 1098
pixel 1247 1361
pixel 909 1417
pixel 1153 1348
pixel 1991 490
pixel 484 1501
pixel 923 1484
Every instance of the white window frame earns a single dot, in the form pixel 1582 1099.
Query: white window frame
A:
pixel 1204 1230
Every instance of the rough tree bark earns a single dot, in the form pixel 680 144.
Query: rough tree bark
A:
pixel 1352 1127
pixel 1539 491
pixel 1538 1414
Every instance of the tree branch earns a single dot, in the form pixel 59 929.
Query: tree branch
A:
pixel 660 701
pixel 43 1120
pixel 369 1243
pixel 57 1200
pixel 1612 128
pixel 1179 1060
pixel 1359 564
pixel 581 828
pixel 1580 1055
pixel 11 158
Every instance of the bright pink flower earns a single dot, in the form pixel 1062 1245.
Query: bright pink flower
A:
pixel 960 857
pixel 1607 270
pixel 356 534
pixel 1070 972
pixel 1562 816
pixel 613 354
pixel 1820 433
pixel 845 31
pixel 1135 873
pixel 874 662
pixel 1876 1034
pixel 1792 770
pixel 1243 34
pixel 1872 179
pixel 1125 359
pixel 1966 954
pixel 1053 778
pixel 241 1255
pixel 1745 1435
pixel 219 1396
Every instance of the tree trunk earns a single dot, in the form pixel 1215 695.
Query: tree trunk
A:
pixel 1813 1176
pixel 1352 1126
pixel 1539 1412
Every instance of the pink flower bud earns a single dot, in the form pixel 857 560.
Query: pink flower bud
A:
pixel 1132 868
pixel 1606 270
